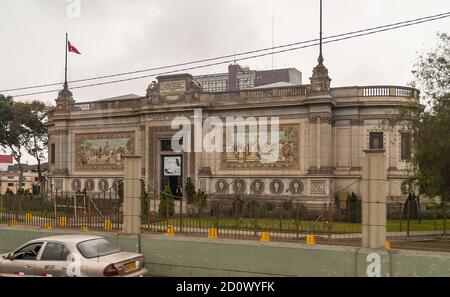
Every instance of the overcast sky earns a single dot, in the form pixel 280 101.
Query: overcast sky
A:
pixel 119 36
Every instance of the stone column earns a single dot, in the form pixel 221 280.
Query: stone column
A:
pixel 374 199
pixel 132 195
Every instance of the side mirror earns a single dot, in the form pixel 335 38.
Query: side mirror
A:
pixel 9 256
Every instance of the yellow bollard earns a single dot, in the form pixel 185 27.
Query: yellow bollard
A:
pixel 47 226
pixel 84 229
pixel 265 236
pixel 212 233
pixel 12 223
pixel 387 245
pixel 107 225
pixel 28 217
pixel 170 231
pixel 310 239
pixel 63 222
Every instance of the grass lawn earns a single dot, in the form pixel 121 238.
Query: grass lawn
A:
pixel 291 225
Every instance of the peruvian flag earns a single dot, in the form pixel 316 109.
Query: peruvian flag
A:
pixel 72 48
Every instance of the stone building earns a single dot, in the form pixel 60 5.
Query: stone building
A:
pixel 324 133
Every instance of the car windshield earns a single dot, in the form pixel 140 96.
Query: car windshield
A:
pixel 97 248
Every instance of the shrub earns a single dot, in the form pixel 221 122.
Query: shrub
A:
pixel 200 201
pixel 144 200
pixel 166 203
pixel 190 191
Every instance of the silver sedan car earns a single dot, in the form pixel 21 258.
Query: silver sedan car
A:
pixel 71 255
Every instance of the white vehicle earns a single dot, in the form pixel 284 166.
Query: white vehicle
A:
pixel 71 255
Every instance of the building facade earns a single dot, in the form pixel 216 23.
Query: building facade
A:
pixel 243 78
pixel 323 135
pixel 9 180
pixel 5 161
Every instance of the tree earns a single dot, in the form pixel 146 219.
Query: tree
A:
pixel 22 128
pixel 34 121
pixel 166 203
pixel 13 130
pixel 190 191
pixel 200 201
pixel 430 124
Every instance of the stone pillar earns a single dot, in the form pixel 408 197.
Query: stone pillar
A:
pixel 132 195
pixel 374 186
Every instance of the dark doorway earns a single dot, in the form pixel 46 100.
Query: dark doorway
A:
pixel 171 174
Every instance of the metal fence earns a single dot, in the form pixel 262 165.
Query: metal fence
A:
pixel 278 219
pixel 285 220
pixel 410 220
pixel 62 210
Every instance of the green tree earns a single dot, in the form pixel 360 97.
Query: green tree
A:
pixel 430 123
pixel 34 121
pixel 166 203
pixel 13 133
pixel 190 191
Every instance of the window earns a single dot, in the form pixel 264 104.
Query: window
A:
pixel 10 177
pixel 28 252
pixel 10 184
pixel 166 145
pixel 55 252
pixel 405 146
pixel 376 140
pixel 52 153
pixel 97 248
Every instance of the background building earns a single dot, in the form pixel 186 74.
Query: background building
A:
pixel 5 161
pixel 242 78
pixel 10 180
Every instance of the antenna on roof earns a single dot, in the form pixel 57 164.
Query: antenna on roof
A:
pixel 320 59
pixel 273 33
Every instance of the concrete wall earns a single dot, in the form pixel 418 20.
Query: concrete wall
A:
pixel 181 256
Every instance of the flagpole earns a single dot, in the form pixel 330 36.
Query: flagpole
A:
pixel 320 60
pixel 65 68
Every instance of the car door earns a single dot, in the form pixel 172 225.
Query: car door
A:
pixel 53 261
pixel 23 261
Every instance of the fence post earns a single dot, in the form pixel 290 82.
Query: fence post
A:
pixel 374 200
pixel 408 216
pixel 434 216
pixel 217 216
pixel 132 195
pixel 181 213
pixel 399 205
pixel 296 221
pixel 445 216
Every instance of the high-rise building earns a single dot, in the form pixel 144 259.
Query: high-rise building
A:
pixel 242 78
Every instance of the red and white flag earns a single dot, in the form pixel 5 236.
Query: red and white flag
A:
pixel 72 48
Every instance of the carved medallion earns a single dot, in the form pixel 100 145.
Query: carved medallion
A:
pixel 221 186
pixel 257 186
pixel 296 187
pixel 76 185
pixel 276 186
pixel 239 186
pixel 89 184
pixel 103 184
